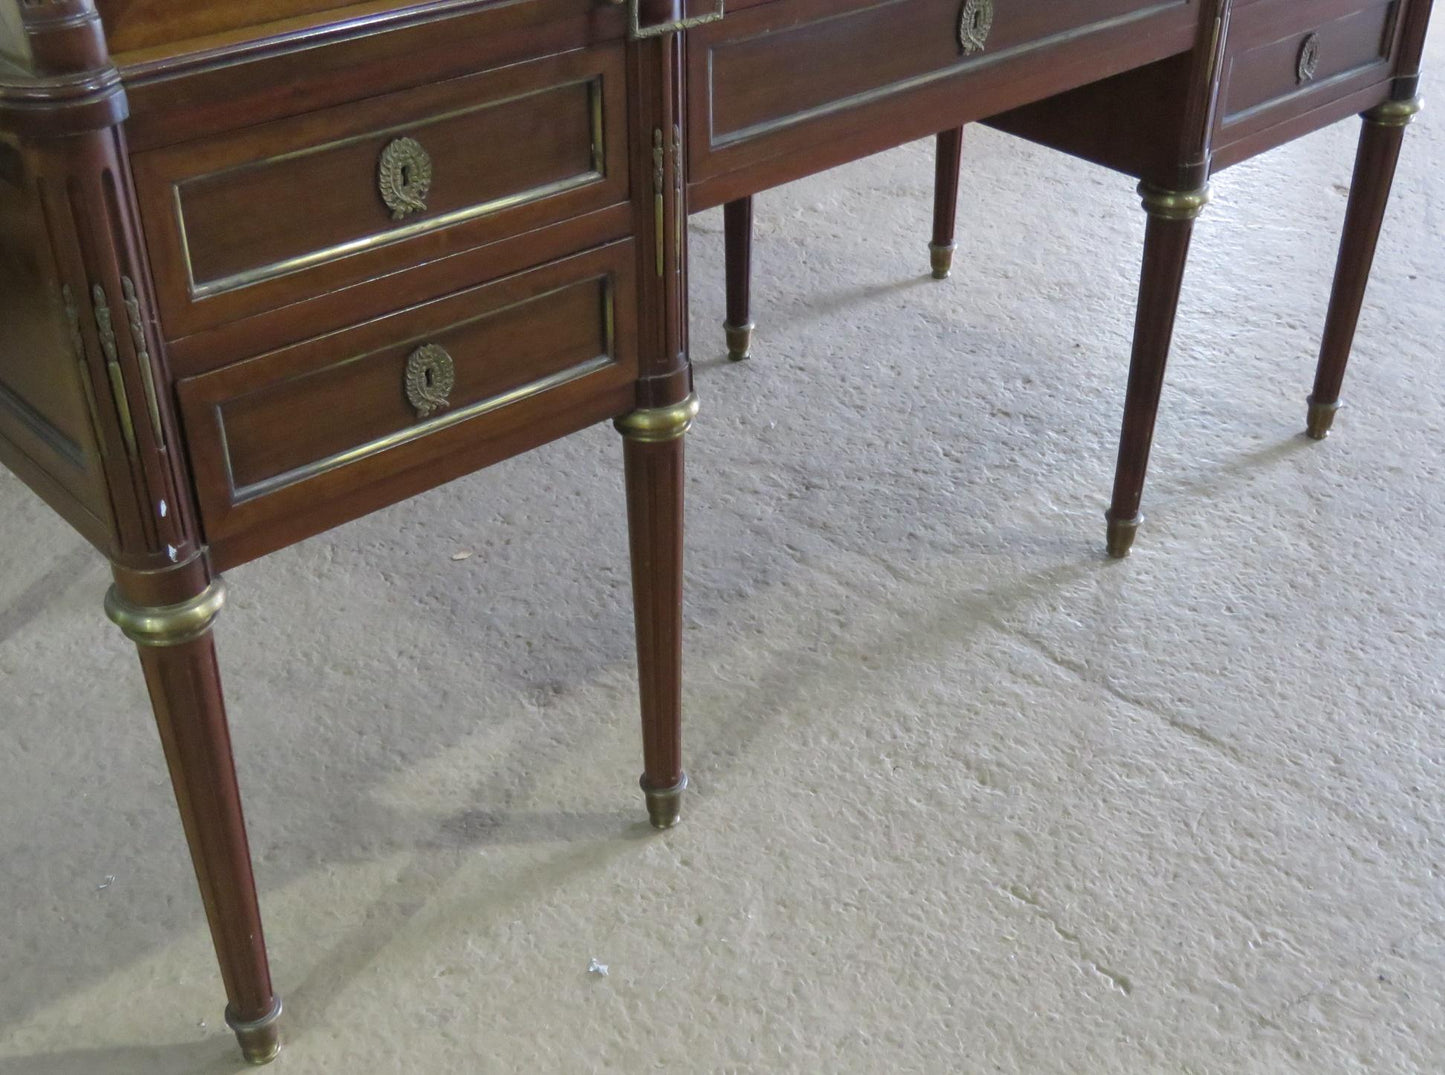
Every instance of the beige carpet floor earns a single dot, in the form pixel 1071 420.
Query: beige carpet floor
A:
pixel 968 797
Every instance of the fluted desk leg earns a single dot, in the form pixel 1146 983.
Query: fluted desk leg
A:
pixel 178 656
pixel 945 201
pixel 1379 151
pixel 653 454
pixel 738 256
pixel 1166 249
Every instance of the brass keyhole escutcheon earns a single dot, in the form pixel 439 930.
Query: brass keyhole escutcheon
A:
pixel 403 177
pixel 974 24
pixel 430 377
pixel 1309 59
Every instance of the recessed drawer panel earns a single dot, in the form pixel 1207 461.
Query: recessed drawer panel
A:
pixel 768 79
pixel 1284 59
pixel 291 209
pixel 301 433
pixel 796 66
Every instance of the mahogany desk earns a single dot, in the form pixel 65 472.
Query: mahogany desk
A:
pixel 268 265
pixel 1272 71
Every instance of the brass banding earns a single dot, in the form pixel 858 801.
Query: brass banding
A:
pixel 1320 418
pixel 664 805
pixel 940 258
pixel 653 425
pixel 1395 113
pixel 260 1039
pixel 167 625
pixel 1173 204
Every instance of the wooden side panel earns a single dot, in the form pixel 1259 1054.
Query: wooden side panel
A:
pixel 1124 122
pixel 46 399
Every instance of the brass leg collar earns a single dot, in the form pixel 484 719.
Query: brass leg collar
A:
pixel 656 424
pixel 940 255
pixel 1321 417
pixel 260 1040
pixel 1121 534
pixel 664 805
pixel 169 625
pixel 740 340
pixel 1173 204
pixel 1395 113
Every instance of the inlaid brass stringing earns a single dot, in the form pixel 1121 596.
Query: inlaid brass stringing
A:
pixel 138 337
pixel 974 24
pixel 404 177
pixel 77 346
pixel 1309 59
pixel 430 376
pixel 679 214
pixel 658 157
pixel 105 329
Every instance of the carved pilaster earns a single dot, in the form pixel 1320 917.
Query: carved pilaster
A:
pixel 656 78
pixel 68 111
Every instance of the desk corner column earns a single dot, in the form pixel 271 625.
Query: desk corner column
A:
pixel 665 405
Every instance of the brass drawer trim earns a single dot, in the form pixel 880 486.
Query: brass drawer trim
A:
pixel 312 258
pixel 352 455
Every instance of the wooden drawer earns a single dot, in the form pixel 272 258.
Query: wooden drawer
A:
pixel 1286 58
pixel 768 78
pixel 291 209
pixel 299 439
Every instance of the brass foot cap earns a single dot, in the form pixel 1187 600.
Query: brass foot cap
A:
pixel 940 255
pixel 260 1039
pixel 1121 535
pixel 1321 417
pixel 740 341
pixel 664 805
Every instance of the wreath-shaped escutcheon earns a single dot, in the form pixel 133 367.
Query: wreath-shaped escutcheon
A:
pixel 430 377
pixel 974 23
pixel 1309 59
pixel 404 177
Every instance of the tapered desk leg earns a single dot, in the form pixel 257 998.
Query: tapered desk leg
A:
pixel 178 656
pixel 1166 249
pixel 653 453
pixel 945 201
pixel 738 255
pixel 1380 139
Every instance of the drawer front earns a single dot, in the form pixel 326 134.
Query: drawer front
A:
pixel 764 72
pixel 292 209
pixel 304 437
pixel 1284 59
